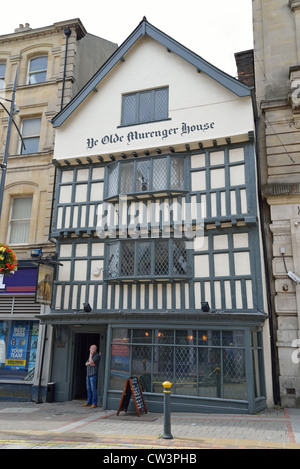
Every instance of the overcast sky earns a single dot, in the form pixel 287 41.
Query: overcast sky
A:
pixel 214 29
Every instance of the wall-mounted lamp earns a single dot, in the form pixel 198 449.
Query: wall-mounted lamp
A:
pixel 96 271
pixel 205 306
pixel 36 252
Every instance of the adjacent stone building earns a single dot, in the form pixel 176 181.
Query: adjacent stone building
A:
pixel 277 81
pixel 50 65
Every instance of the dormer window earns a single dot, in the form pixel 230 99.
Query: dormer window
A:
pixel 37 70
pixel 145 106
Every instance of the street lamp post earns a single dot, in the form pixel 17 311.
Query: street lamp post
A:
pixel 11 121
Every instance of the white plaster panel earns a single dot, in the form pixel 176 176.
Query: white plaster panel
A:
pixel 97 249
pixel 227 288
pixel 97 269
pixel 187 296
pixel 98 173
pixel 65 250
pixel 218 303
pixel 67 176
pixel 82 174
pixel 198 161
pixel 249 293
pixel 64 272
pixel 99 296
pixel 217 178
pixel 216 157
pixel 197 294
pixel 201 243
pixel 221 242
pixel 81 250
pixel 65 194
pixel 236 154
pixel 198 181
pixel 240 240
pixel 242 263
pixel 201 266
pixel 237 175
pixel 221 263
pixel 96 191
pixel 81 193
pixel 238 295
pixel 80 270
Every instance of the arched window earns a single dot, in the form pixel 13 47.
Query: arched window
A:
pixel 37 70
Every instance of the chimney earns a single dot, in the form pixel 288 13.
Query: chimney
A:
pixel 22 28
pixel 245 67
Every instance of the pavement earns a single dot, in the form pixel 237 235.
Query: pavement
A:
pixel 68 425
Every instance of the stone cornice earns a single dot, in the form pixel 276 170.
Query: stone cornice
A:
pixel 274 103
pixel 294 4
pixel 44 31
pixel 280 189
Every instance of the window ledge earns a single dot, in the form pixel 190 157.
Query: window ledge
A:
pixel 157 279
pixel 142 123
pixel 147 194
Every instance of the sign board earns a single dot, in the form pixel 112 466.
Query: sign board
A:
pixel 132 387
pixel 44 284
pixel 22 282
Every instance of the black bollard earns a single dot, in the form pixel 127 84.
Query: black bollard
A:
pixel 167 413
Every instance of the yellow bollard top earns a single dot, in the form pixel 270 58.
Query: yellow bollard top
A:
pixel 167 386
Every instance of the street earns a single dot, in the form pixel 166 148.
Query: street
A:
pixel 26 425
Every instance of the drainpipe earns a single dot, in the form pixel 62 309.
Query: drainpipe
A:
pixel 67 33
pixel 275 380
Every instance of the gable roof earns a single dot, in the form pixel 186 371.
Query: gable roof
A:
pixel 145 28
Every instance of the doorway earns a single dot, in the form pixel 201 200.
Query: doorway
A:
pixel 83 341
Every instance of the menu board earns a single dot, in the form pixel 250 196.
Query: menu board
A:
pixel 132 388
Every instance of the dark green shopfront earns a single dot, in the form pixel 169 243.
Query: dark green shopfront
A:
pixel 214 364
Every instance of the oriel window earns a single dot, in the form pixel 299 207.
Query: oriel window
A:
pixel 161 258
pixel 154 174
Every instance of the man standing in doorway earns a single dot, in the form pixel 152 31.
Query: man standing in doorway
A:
pixel 92 368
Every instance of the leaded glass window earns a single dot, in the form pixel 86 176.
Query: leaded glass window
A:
pixel 147 258
pixel 145 106
pixel 155 174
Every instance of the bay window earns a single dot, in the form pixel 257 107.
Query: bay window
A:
pixel 150 259
pixel 163 174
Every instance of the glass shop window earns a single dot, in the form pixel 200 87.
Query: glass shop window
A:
pixel 18 349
